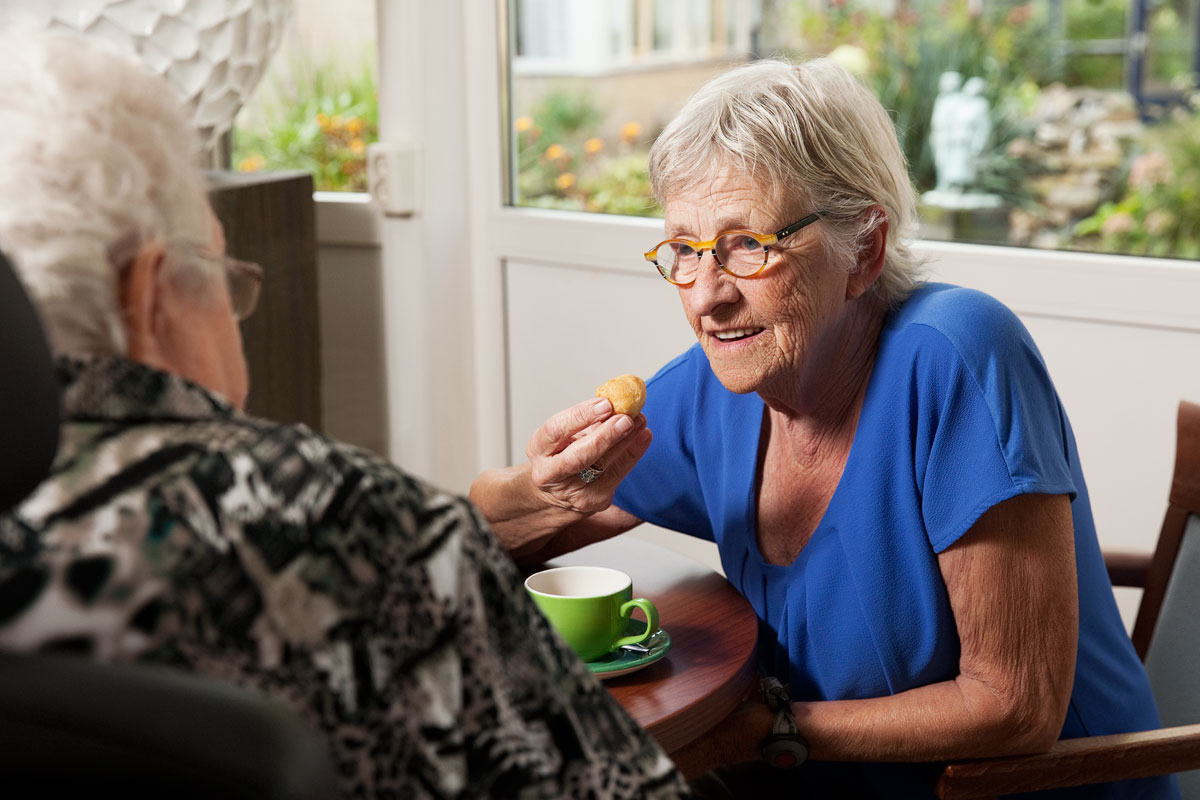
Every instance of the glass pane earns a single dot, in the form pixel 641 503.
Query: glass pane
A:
pixel 1171 31
pixel 1093 122
pixel 316 108
pixel 586 106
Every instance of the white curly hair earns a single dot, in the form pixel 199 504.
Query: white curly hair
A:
pixel 99 159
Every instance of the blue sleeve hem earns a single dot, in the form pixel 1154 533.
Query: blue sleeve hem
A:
pixel 968 520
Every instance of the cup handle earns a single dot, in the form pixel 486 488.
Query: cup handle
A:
pixel 651 613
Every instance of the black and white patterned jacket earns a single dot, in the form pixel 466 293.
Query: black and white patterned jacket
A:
pixel 174 529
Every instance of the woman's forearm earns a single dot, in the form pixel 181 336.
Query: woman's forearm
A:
pixel 1012 586
pixel 523 519
pixel 940 722
pixel 962 718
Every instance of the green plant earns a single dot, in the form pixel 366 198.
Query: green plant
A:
pixel 1171 44
pixel 906 53
pixel 1159 212
pixel 562 165
pixel 1089 20
pixel 621 186
pixel 1001 173
pixel 1169 39
pixel 317 117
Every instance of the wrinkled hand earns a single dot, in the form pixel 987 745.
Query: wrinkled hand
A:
pixel 585 435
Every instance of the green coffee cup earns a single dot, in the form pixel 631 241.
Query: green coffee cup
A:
pixel 590 608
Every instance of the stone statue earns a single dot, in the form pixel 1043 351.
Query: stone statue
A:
pixel 941 122
pixel 960 127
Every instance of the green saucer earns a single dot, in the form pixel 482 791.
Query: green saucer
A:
pixel 623 662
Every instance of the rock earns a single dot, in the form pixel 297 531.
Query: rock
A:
pixel 1078 197
pixel 1050 134
pixel 1046 240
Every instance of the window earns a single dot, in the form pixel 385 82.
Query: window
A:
pixel 1089 108
pixel 594 83
pixel 316 108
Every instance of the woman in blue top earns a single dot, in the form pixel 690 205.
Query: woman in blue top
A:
pixel 884 465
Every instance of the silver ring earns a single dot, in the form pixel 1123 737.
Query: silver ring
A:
pixel 590 474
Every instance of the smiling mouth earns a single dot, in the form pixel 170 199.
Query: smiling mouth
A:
pixel 737 334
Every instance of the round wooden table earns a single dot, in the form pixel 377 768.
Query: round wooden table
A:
pixel 711 665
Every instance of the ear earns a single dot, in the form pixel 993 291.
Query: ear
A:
pixel 871 255
pixel 139 297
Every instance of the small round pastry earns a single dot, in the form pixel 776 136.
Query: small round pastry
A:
pixel 627 393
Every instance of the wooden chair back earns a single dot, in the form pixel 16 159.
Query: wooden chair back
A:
pixel 1183 501
pixel 1170 661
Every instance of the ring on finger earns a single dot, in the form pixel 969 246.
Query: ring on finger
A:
pixel 589 474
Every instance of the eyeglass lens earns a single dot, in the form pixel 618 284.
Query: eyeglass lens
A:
pixel 738 253
pixel 244 284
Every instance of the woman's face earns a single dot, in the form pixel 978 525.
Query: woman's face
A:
pixel 757 332
pixel 210 345
pixel 186 330
pixel 213 351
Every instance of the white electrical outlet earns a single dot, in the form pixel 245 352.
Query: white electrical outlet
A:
pixel 393 172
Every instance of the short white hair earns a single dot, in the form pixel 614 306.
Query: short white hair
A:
pixel 810 132
pixel 99 159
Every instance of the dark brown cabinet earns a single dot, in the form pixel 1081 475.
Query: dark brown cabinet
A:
pixel 269 218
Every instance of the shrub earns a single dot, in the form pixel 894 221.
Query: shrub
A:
pixel 561 165
pixel 1010 47
pixel 1158 213
pixel 317 117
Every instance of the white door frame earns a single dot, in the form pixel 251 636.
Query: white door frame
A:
pixel 427 275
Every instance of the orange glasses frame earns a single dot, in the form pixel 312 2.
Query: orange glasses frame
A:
pixel 700 247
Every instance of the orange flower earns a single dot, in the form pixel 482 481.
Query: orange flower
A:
pixel 555 152
pixel 323 120
pixel 252 163
pixel 564 181
pixel 523 124
pixel 357 146
pixel 354 126
pixel 630 131
pixel 593 146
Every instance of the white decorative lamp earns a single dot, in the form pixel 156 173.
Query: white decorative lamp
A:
pixel 214 52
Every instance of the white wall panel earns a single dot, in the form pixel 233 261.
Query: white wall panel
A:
pixel 570 330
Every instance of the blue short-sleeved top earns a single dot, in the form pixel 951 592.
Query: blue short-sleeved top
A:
pixel 960 414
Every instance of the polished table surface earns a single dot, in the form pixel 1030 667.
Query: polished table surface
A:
pixel 711 664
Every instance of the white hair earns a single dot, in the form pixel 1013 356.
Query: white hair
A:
pixel 812 133
pixel 98 160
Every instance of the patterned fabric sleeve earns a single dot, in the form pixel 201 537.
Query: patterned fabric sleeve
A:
pixel 531 704
pixel 458 674
pixel 178 531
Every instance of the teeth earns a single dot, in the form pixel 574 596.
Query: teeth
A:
pixel 739 333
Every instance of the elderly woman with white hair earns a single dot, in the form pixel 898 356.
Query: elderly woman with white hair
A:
pixel 884 464
pixel 175 529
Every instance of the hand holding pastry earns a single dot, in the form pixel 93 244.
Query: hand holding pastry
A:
pixel 580 455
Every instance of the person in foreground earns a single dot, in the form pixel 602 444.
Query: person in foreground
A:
pixel 176 529
pixel 883 463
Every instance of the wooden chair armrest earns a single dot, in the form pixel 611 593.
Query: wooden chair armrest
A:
pixel 1127 567
pixel 1076 762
